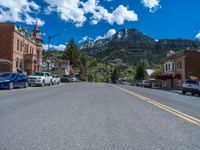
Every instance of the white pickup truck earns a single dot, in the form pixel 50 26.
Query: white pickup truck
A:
pixel 40 79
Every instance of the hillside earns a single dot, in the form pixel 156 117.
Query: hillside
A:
pixel 130 45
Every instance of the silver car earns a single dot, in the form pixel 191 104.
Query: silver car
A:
pixel 56 79
pixel 191 86
pixel 40 78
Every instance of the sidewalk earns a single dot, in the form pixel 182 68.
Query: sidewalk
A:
pixel 176 91
pixel 170 90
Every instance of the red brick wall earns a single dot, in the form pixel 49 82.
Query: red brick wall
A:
pixel 10 50
pixel 193 64
pixel 5 67
pixel 6 44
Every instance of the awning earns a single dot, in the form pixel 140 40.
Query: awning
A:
pixel 165 77
pixel 161 77
pixel 178 76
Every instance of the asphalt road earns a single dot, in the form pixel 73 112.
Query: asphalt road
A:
pixel 89 116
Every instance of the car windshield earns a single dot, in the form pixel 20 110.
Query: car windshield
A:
pixel 7 75
pixel 191 82
pixel 38 74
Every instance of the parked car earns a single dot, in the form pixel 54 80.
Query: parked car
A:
pixel 147 84
pixel 66 78
pixel 144 83
pixel 40 79
pixel 139 83
pixel 191 86
pixel 56 79
pixel 13 80
pixel 74 79
pixel 53 79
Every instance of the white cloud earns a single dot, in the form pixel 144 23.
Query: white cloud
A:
pixel 60 47
pixel 153 5
pixel 68 10
pixel 48 10
pixel 19 11
pixel 119 15
pixel 156 40
pixel 43 34
pixel 30 20
pixel 76 11
pixel 198 36
pixel 109 34
pixel 85 38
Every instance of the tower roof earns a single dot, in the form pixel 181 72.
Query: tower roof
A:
pixel 36 32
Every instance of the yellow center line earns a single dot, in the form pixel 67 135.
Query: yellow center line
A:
pixel 182 115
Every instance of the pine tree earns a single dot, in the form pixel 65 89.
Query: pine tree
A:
pixel 141 66
pixel 83 66
pixel 71 53
pixel 115 75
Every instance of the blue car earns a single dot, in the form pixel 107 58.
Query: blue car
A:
pixel 13 80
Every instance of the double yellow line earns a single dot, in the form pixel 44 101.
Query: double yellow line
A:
pixel 162 106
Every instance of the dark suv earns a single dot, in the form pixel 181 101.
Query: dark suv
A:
pixel 191 86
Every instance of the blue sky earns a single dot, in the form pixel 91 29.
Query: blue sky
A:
pixel 90 19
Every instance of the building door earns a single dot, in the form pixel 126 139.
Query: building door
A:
pixel 172 83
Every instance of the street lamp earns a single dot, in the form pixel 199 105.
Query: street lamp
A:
pixel 49 42
pixel 49 39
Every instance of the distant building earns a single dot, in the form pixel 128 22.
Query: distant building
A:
pixel 62 67
pixel 48 65
pixel 20 49
pixel 148 74
pixel 178 67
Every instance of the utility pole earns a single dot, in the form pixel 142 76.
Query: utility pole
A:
pixel 49 43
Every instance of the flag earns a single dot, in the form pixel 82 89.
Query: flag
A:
pixel 194 78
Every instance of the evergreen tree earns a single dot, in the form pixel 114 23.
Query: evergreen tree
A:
pixel 140 68
pixel 90 77
pixel 71 53
pixel 83 62
pixel 115 75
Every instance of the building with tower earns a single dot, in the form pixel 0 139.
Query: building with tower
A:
pixel 20 49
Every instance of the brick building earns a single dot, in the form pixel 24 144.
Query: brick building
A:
pixel 62 67
pixel 178 67
pixel 20 50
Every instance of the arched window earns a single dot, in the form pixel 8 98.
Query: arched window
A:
pixel 21 46
pixel 17 63
pixel 21 63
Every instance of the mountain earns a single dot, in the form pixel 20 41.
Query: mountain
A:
pixel 131 45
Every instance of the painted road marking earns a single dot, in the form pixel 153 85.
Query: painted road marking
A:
pixel 182 115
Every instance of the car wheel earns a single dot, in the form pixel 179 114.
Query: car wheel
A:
pixel 43 84
pixel 183 92
pixel 11 86
pixel 192 94
pixel 26 85
pixel 50 83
